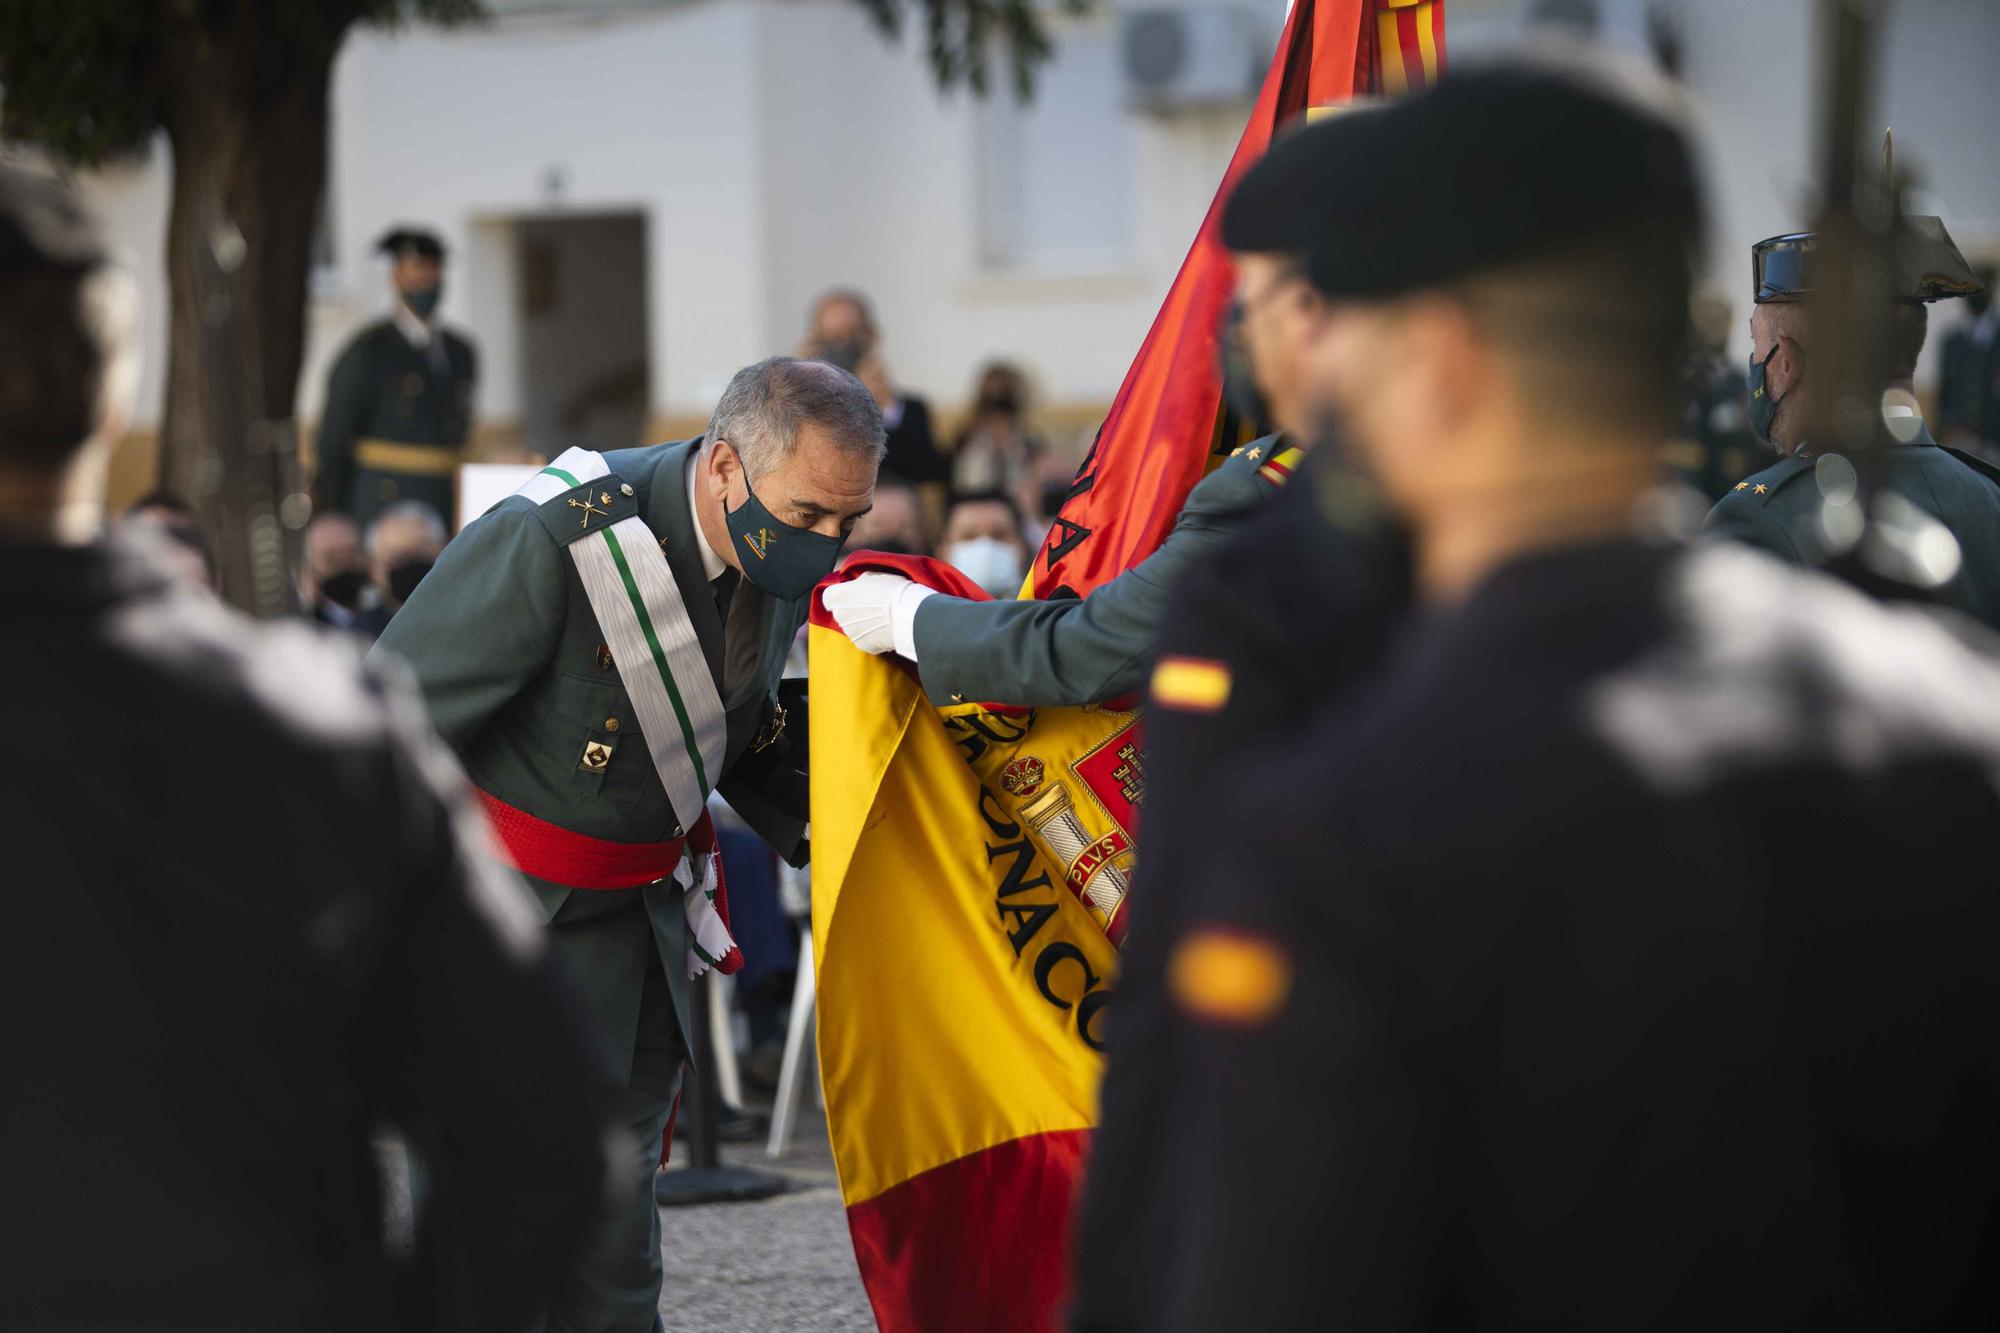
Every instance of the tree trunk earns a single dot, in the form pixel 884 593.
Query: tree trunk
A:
pixel 276 199
pixel 248 130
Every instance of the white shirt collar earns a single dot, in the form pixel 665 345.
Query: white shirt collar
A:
pixel 712 565
pixel 416 330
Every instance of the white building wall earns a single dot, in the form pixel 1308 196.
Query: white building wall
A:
pixel 130 198
pixel 780 146
pixel 871 181
pixel 777 147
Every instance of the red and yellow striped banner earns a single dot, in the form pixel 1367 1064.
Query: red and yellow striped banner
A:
pixel 1409 44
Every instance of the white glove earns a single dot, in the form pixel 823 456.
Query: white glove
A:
pixel 878 612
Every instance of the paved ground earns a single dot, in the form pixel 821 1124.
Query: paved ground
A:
pixel 779 1264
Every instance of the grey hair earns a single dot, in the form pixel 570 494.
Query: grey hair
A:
pixel 765 405
pixel 431 521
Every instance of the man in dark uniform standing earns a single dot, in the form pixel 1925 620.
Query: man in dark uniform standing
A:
pixel 1231 663
pixel 399 400
pixel 1501 1000
pixel 1787 508
pixel 246 927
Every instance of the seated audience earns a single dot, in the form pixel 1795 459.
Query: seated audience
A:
pixel 334 587
pixel 183 547
pixel 843 331
pixel 997 449
pixel 894 525
pixel 985 540
pixel 404 542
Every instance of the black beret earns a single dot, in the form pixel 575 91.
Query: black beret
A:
pixel 44 225
pixel 1494 165
pixel 403 241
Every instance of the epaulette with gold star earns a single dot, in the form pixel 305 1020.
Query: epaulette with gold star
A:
pixel 1275 461
pixel 1761 486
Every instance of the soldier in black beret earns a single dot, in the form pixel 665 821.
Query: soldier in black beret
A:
pixel 1783 509
pixel 1485 991
pixel 399 399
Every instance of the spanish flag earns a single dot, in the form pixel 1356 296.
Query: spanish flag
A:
pixel 971 863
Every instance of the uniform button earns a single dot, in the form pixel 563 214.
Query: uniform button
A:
pixel 625 489
pixel 611 724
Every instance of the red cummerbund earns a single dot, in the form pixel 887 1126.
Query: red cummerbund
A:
pixel 577 860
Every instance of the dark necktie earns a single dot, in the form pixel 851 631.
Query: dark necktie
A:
pixel 725 589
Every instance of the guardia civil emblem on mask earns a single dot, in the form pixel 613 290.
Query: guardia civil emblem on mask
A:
pixel 782 560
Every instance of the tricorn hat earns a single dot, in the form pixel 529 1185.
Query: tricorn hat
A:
pixel 1929 266
pixel 402 242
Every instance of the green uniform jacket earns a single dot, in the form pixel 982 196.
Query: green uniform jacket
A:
pixel 1777 510
pixel 382 388
pixel 514 669
pixel 1083 650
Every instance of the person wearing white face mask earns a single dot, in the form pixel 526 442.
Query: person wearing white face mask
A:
pixel 985 540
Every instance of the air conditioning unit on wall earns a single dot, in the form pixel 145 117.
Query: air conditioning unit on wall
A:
pixel 1190 57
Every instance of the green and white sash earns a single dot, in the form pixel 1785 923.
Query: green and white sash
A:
pixel 652 640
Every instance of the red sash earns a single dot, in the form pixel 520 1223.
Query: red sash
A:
pixel 547 851
pixel 577 860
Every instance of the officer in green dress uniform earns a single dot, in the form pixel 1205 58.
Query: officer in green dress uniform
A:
pixel 399 400
pixel 676 574
pixel 1780 508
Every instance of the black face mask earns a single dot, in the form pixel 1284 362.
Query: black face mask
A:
pixel 847 355
pixel 423 301
pixel 782 560
pixel 1004 401
pixel 345 588
pixel 1239 373
pixel 404 576
pixel 1763 407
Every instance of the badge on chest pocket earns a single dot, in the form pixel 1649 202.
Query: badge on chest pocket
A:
pixel 609 754
pixel 596 756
